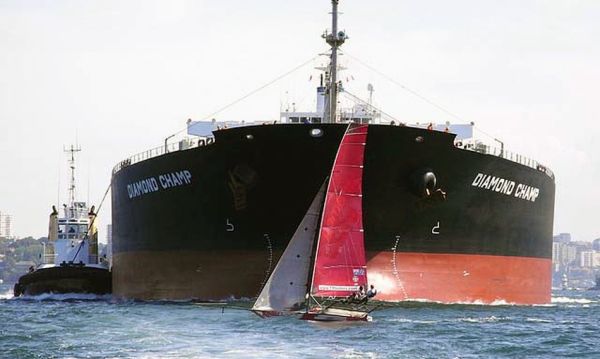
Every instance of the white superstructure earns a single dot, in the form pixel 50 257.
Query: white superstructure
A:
pixel 72 234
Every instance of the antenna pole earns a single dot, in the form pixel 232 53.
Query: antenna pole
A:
pixel 335 39
pixel 72 151
pixel 58 189
pixel 334 47
pixel 88 184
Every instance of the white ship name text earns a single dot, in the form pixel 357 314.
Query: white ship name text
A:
pixel 506 186
pixel 156 183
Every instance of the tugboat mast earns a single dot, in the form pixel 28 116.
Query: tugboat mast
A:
pixel 72 151
pixel 335 39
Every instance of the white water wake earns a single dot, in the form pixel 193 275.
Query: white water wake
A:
pixel 7 295
pixel 567 300
pixel 66 297
pixel 497 302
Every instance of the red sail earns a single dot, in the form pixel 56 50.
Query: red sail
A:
pixel 340 262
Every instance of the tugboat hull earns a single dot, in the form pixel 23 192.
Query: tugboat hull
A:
pixel 65 279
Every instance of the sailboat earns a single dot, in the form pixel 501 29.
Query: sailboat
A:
pixel 340 266
pixel 285 290
pixel 339 263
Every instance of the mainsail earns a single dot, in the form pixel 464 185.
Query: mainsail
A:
pixel 287 286
pixel 340 262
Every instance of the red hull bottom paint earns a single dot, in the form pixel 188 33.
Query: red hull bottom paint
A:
pixel 446 278
pixel 460 278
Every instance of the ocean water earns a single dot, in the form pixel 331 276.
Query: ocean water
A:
pixel 80 326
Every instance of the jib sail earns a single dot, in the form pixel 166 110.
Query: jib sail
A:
pixel 287 286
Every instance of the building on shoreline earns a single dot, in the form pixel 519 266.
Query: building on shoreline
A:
pixel 5 225
pixel 577 261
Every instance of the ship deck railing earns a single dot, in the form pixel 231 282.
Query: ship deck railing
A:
pixel 508 155
pixel 161 150
pixel 188 143
pixel 48 258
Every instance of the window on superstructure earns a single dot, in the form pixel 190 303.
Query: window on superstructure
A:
pixel 83 228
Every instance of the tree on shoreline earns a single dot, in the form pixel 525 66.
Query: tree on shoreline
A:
pixel 13 251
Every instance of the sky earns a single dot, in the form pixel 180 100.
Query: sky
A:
pixel 117 77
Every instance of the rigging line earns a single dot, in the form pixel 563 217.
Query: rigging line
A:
pixel 252 92
pixel 485 133
pixel 356 98
pixel 413 92
pixel 86 236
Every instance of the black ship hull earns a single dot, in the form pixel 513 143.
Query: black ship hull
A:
pixel 210 222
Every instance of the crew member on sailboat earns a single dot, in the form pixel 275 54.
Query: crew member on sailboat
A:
pixel 372 292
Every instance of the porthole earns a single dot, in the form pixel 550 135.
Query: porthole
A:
pixel 419 139
pixel 249 136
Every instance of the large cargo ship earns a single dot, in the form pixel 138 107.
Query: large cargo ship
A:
pixel 445 218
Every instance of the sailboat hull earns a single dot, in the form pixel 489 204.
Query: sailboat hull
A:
pixel 266 313
pixel 218 232
pixel 336 317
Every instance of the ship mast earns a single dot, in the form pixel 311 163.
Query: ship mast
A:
pixel 72 151
pixel 335 39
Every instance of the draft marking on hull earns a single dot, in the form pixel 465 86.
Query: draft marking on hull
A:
pixel 436 229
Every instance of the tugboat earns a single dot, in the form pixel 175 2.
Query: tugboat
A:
pixel 70 261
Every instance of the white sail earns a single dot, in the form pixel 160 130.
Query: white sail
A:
pixel 287 286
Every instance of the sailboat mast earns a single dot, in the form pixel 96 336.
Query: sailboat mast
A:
pixel 335 39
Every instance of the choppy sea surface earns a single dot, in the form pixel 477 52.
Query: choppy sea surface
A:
pixel 82 326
